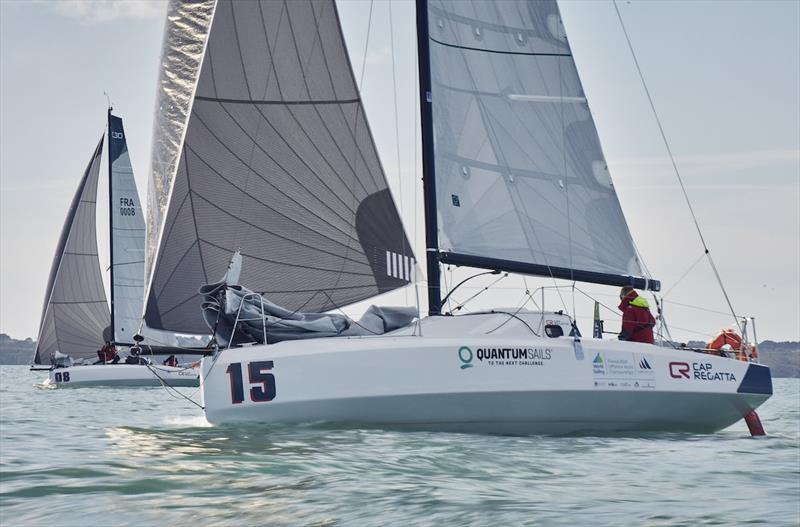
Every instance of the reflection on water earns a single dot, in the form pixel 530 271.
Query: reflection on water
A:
pixel 72 456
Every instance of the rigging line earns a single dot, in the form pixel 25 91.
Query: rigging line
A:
pixel 675 168
pixel 696 332
pixel 700 308
pixel 462 304
pixel 612 310
pixel 171 390
pixel 684 275
pixel 416 148
pixel 525 298
pixel 397 134
pixel 245 193
pixel 446 288
pixel 341 311
pixel 566 175
pixel 356 149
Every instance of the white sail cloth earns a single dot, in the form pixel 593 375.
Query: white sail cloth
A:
pixel 520 174
pixel 127 238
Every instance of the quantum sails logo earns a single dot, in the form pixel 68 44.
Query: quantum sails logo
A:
pixel 504 356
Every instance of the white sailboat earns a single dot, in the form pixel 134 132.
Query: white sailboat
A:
pixel 264 149
pixel 76 320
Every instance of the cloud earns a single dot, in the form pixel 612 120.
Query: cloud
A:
pixel 100 11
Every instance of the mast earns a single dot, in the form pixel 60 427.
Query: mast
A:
pixel 111 227
pixel 428 161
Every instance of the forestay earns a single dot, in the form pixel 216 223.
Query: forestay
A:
pixel 520 174
pixel 75 312
pixel 127 238
pixel 278 161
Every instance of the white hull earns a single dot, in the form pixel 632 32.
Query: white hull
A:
pixel 122 375
pixel 429 383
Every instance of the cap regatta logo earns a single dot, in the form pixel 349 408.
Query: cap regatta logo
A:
pixel 701 371
pixel 678 370
pixel 465 356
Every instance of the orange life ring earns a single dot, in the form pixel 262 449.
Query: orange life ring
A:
pixel 731 338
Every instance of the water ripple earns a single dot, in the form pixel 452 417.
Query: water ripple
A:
pixel 68 457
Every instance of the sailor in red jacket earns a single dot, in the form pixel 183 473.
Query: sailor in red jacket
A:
pixel 637 321
pixel 107 354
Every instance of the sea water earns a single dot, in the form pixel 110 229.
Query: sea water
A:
pixel 140 456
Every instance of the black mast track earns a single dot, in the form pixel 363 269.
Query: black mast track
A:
pixel 428 160
pixel 510 266
pixel 111 230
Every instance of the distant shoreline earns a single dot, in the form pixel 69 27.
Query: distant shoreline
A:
pixel 783 358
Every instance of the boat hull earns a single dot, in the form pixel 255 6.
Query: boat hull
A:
pixel 121 375
pixel 483 385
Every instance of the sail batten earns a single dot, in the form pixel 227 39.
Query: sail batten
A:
pixel 278 162
pixel 521 180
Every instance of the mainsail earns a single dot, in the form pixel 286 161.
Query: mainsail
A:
pixel 75 313
pixel 521 181
pixel 127 238
pixel 277 160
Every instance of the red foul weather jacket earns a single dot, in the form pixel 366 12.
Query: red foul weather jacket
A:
pixel 637 321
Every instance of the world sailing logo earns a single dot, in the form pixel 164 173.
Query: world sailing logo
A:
pixel 598 365
pixel 465 356
pixel 643 364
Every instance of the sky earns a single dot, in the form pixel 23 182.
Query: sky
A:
pixel 724 75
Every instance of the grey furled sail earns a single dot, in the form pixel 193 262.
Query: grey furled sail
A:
pixel 277 160
pixel 75 314
pixel 521 181
pixel 127 238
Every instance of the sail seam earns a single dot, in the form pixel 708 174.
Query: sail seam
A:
pixel 500 52
pixel 168 279
pixel 194 215
pixel 287 172
pixel 264 204
pixel 126 263
pixel 57 302
pixel 335 143
pixel 278 235
pixel 292 264
pixel 302 160
pixel 342 288
pixel 308 91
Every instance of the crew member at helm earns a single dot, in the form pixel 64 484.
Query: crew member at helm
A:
pixel 637 321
